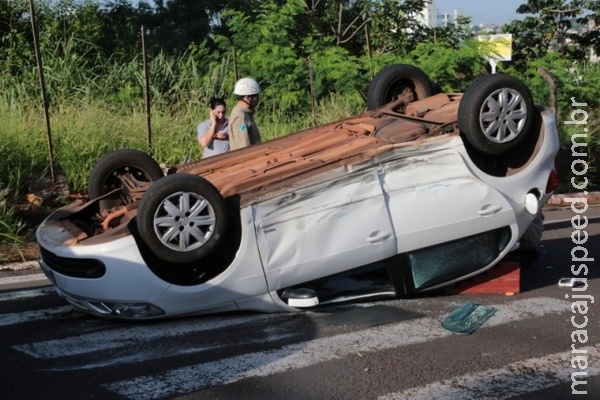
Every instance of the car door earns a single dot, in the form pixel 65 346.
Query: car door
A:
pixel 323 228
pixel 433 198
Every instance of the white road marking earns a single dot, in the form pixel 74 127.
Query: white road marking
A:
pixel 165 351
pixel 514 379
pixel 300 355
pixel 130 336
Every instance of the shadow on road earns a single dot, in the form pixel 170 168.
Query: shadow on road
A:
pixel 559 254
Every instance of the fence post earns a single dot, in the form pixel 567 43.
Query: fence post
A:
pixel 313 106
pixel 146 90
pixel 38 58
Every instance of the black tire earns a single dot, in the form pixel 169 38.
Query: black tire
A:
pixel 496 113
pixel 182 218
pixel 105 174
pixel 394 80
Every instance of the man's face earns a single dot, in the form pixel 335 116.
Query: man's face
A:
pixel 253 100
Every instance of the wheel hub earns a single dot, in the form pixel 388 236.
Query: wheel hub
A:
pixel 184 221
pixel 503 115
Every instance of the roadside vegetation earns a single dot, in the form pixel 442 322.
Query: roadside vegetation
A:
pixel 313 61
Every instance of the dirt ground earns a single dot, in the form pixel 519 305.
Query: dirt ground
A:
pixel 43 197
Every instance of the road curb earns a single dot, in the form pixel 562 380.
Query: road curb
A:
pixel 20 266
pixel 558 200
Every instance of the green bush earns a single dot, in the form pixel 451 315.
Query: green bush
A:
pixel 577 82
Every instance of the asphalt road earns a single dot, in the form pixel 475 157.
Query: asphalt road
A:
pixel 524 351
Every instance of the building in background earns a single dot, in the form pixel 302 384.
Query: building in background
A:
pixel 445 18
pixel 431 17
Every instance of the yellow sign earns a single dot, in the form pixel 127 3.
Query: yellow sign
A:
pixel 501 46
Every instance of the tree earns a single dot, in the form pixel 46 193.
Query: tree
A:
pixel 453 34
pixel 552 29
pixel 589 21
pixel 15 37
pixel 452 67
pixel 395 26
pixel 178 23
pixel 120 28
pixel 270 47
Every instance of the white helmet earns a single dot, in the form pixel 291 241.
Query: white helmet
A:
pixel 246 87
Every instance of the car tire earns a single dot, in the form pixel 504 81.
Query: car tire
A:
pixel 393 80
pixel 182 218
pixel 104 177
pixel 496 113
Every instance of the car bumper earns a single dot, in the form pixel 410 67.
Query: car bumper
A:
pixel 127 288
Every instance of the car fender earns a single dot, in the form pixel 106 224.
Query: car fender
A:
pixel 242 282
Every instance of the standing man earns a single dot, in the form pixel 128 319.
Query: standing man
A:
pixel 242 129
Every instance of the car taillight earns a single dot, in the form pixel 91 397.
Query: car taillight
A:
pixel 552 181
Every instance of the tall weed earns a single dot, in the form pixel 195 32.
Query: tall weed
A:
pixel 12 229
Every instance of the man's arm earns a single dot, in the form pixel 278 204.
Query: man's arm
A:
pixel 238 133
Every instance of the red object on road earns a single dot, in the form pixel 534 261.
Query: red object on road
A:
pixel 503 278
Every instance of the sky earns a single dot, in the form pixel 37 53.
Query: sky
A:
pixel 483 11
pixel 480 11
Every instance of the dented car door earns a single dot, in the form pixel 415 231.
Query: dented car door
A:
pixel 433 198
pixel 334 225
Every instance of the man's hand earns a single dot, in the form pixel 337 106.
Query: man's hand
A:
pixel 221 135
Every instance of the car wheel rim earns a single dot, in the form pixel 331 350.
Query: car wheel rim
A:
pixel 503 115
pixel 184 221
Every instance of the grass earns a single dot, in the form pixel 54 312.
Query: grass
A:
pixel 81 134
pixel 11 227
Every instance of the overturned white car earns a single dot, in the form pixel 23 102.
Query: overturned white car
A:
pixel 421 191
